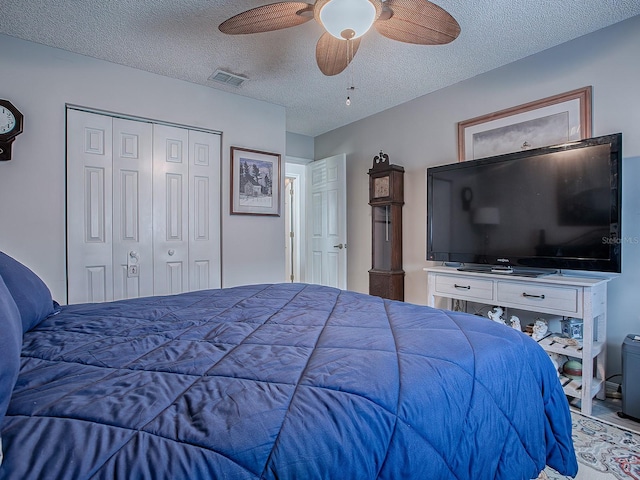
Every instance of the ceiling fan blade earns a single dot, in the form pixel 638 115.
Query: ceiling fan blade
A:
pixel 417 21
pixel 333 55
pixel 267 18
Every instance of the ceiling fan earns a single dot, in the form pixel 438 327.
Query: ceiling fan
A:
pixel 345 21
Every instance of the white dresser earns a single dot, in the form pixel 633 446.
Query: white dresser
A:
pixel 560 295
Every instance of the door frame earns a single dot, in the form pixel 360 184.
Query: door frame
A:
pixel 295 167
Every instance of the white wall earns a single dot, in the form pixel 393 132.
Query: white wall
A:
pixel 423 132
pixel 40 80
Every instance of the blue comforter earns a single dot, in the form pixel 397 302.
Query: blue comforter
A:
pixel 286 381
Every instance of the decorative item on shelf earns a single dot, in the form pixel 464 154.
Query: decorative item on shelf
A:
pixel 386 197
pixel 496 315
pixel 571 327
pixel 572 368
pixel 569 342
pixel 540 328
pixel 557 360
pixel 10 127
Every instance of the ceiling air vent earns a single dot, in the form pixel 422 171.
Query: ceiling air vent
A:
pixel 228 78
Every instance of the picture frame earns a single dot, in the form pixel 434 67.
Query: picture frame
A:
pixel 255 182
pixel 550 121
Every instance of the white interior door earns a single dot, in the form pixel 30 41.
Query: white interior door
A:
pixel 327 222
pixel 171 209
pixel 89 207
pixel 132 209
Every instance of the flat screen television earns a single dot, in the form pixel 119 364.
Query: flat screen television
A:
pixel 551 208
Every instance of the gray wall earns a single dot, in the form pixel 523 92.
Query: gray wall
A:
pixel 423 132
pixel 40 80
pixel 300 146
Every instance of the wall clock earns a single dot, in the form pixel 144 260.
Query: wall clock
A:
pixel 11 121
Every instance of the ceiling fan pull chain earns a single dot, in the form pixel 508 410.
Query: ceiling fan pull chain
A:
pixel 350 88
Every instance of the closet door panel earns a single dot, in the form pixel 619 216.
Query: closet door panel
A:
pixel 132 208
pixel 204 210
pixel 170 209
pixel 89 207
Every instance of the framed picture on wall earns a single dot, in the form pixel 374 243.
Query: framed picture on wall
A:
pixel 255 182
pixel 550 121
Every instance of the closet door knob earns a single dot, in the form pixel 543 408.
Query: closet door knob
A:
pixel 171 252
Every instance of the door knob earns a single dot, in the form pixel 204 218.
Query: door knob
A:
pixel 340 246
pixel 171 252
pixel 133 269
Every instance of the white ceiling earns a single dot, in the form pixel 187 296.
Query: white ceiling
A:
pixel 180 39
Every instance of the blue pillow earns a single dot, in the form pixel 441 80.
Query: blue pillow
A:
pixel 29 292
pixel 10 346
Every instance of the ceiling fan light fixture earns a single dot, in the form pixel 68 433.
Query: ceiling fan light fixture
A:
pixel 419 22
pixel 348 19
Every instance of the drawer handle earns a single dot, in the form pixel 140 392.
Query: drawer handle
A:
pixel 465 287
pixel 525 294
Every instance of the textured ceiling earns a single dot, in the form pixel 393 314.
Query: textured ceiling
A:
pixel 180 39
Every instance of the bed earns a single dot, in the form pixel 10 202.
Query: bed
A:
pixel 282 381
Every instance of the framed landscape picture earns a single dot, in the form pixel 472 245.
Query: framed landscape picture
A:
pixel 255 182
pixel 550 121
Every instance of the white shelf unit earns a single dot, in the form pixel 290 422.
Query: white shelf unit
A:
pixel 557 294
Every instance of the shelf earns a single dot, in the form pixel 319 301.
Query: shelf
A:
pixel 573 386
pixel 570 351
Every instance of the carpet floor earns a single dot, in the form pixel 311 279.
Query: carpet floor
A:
pixel 605 451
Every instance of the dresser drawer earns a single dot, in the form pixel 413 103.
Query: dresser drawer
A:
pixel 564 300
pixel 464 288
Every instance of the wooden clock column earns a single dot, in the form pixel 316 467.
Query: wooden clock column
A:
pixel 386 197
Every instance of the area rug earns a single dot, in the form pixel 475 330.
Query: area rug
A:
pixel 604 451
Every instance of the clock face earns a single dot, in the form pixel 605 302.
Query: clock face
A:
pixel 381 187
pixel 7 120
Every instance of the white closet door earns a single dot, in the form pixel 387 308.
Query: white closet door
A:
pixel 89 207
pixel 132 209
pixel 171 209
pixel 143 208
pixel 204 210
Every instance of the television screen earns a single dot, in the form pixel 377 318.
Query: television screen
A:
pixel 554 207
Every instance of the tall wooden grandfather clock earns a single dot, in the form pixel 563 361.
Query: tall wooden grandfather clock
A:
pixel 386 197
